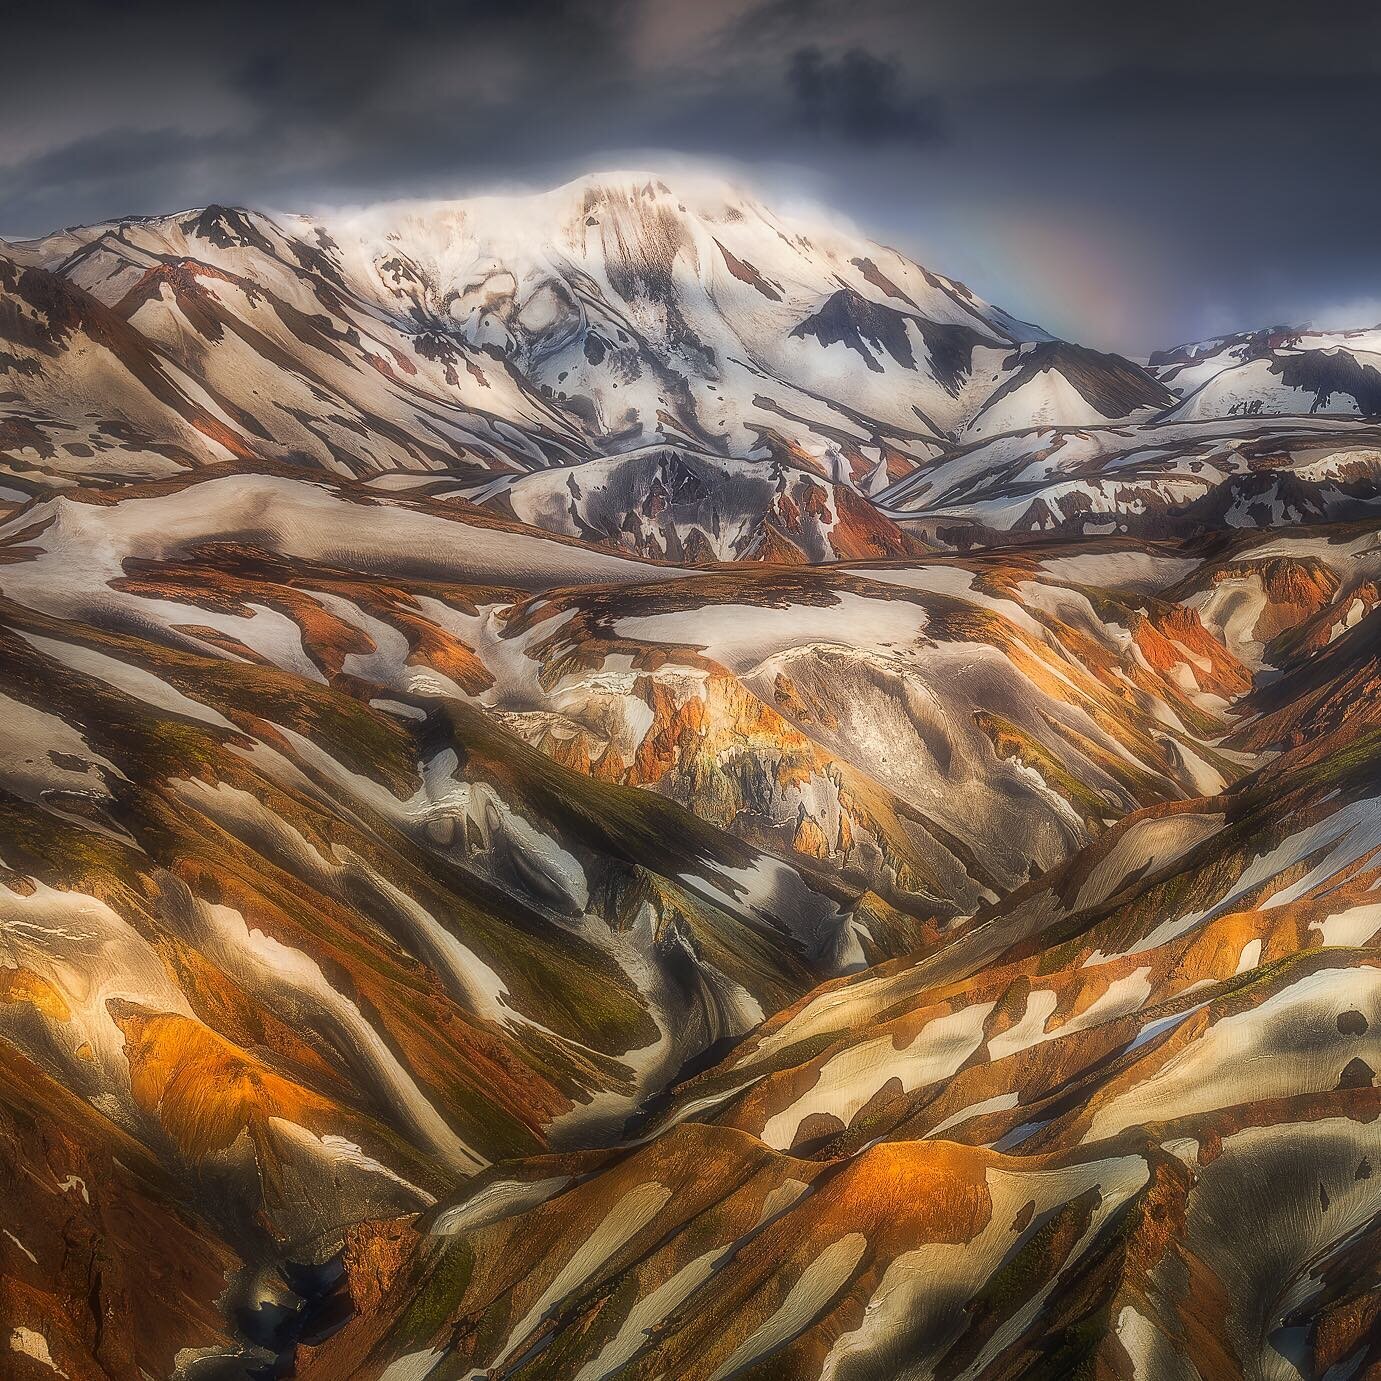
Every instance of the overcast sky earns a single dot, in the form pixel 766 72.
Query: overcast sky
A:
pixel 1126 172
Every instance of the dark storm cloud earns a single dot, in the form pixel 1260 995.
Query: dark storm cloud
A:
pixel 775 20
pixel 125 171
pixel 1130 173
pixel 859 97
pixel 258 101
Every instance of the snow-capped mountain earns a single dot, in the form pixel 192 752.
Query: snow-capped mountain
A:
pixel 1277 372
pixel 1169 478
pixel 506 334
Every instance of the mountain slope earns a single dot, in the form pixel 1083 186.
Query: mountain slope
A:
pixel 1166 479
pixel 696 507
pixel 502 335
pixel 1274 373
pixel 1122 1124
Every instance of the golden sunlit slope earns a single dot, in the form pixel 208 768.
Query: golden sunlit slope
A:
pixel 1121 1124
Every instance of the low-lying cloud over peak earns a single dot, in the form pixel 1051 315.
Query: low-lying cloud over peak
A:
pixel 1198 157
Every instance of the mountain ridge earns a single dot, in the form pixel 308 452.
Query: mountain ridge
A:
pixel 440 268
